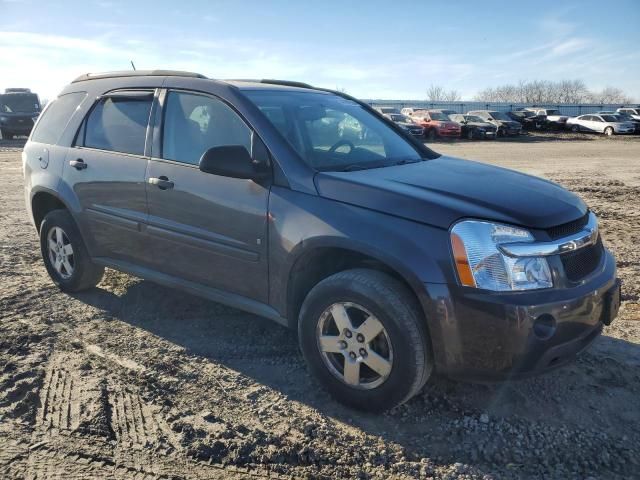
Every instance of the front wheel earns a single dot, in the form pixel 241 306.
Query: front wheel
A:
pixel 469 134
pixel 575 128
pixel 431 135
pixel 65 255
pixel 608 131
pixel 363 336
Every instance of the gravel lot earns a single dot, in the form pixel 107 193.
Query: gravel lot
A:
pixel 132 380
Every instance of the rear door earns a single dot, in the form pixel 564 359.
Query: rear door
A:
pixel 206 228
pixel 106 169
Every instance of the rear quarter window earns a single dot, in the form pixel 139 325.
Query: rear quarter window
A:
pixel 56 116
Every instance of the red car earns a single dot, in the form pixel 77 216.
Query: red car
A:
pixel 436 124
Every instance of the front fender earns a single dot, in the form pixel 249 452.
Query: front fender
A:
pixel 301 223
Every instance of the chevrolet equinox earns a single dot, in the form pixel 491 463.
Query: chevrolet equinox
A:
pixel 306 206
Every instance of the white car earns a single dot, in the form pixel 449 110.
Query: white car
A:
pixel 607 124
pixel 553 116
pixel 633 112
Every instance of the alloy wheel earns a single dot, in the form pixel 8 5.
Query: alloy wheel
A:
pixel 355 346
pixel 60 252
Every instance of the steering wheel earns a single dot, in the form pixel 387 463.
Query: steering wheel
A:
pixel 341 143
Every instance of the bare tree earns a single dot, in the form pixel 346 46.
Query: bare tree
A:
pixel 437 93
pixel 610 95
pixel 549 92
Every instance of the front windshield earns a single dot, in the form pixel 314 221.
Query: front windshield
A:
pixel 332 133
pixel 438 116
pixel 500 116
pixel 473 118
pixel 17 102
pixel 553 112
pixel 610 118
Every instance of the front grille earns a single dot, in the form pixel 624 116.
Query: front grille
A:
pixel 568 228
pixel 582 262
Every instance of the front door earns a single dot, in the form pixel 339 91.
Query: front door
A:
pixel 106 169
pixel 206 228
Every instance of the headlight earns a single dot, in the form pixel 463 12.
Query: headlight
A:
pixel 480 263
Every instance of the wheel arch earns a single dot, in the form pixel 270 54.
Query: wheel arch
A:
pixel 320 259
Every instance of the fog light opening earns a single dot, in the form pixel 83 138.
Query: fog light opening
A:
pixel 544 326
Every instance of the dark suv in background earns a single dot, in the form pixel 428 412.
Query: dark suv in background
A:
pixel 307 207
pixel 19 110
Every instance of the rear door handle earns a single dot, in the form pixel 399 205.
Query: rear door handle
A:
pixel 78 164
pixel 163 183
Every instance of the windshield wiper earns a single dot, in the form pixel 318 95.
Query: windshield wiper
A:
pixel 353 167
pixel 405 161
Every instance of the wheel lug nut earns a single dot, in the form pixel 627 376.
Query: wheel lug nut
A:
pixel 363 352
pixel 360 338
pixel 342 344
pixel 352 355
pixel 347 333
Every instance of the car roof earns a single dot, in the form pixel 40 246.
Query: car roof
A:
pixel 243 84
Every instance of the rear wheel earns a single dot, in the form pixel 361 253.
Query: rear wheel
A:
pixel 608 131
pixel 65 255
pixel 575 128
pixel 364 338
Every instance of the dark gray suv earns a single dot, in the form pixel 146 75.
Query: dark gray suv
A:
pixel 308 207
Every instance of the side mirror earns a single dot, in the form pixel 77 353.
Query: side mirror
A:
pixel 229 161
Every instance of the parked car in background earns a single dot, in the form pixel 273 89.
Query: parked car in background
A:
pixel 19 110
pixel 436 124
pixel 409 111
pixel 633 112
pixel 406 124
pixel 529 120
pixel 386 110
pixel 629 119
pixel 607 124
pixel 474 127
pixel 504 124
pixel 554 119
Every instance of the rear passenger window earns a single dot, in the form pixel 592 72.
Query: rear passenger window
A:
pixel 194 123
pixel 119 124
pixel 56 117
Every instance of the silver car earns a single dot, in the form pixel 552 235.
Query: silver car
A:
pixel 607 124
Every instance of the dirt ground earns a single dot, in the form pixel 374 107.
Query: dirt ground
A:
pixel 133 380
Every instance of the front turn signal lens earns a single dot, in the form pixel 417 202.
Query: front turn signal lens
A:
pixel 462 262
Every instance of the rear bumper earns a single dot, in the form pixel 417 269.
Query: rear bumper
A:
pixel 489 336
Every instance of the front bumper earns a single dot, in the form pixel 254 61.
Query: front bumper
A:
pixel 486 336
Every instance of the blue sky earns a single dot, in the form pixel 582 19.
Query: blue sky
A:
pixel 372 49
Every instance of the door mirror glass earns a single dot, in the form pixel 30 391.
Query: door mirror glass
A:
pixel 229 161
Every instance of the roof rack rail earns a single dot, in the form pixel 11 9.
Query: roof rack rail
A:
pixel 284 83
pixel 137 73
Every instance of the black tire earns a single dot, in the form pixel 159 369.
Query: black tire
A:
pixel 5 134
pixel 575 128
pixel 397 309
pixel 500 133
pixel 431 135
pixel 608 131
pixel 86 274
pixel 470 134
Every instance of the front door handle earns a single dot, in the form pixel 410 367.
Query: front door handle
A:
pixel 163 183
pixel 78 164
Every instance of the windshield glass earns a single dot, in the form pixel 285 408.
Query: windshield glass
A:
pixel 18 102
pixel 500 116
pixel 473 118
pixel 624 116
pixel 333 133
pixel 438 116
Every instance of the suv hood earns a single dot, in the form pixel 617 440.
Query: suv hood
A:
pixel 439 192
